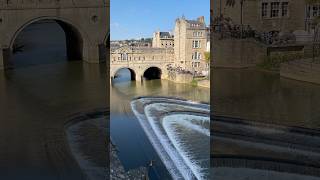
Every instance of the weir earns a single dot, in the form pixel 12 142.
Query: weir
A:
pixel 179 131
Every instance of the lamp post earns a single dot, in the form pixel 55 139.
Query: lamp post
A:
pixel 241 16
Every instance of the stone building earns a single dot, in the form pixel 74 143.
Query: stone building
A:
pixel 270 15
pixel 141 54
pixel 185 50
pixel 162 40
pixel 190 38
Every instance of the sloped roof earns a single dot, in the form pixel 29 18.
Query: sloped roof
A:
pixel 165 35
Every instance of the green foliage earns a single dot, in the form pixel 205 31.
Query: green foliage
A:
pixel 273 62
pixel 194 82
pixel 207 57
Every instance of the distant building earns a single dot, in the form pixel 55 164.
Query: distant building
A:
pixel 186 48
pixel 162 40
pixel 190 38
pixel 140 54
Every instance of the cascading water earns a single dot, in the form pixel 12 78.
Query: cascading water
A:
pixel 179 131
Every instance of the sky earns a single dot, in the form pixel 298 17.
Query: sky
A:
pixel 134 19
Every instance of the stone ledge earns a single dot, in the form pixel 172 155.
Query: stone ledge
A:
pixel 301 70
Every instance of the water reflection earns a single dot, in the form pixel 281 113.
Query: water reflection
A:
pixel 265 97
pixel 126 130
pixel 36 99
pixel 264 126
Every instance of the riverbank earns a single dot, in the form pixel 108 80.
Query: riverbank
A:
pixel 188 79
pixel 117 171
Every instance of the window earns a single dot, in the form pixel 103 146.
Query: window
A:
pixel 264 10
pixel 195 64
pixel 284 9
pixel 197 34
pixel 196 44
pixel 275 9
pixel 315 10
pixel 196 55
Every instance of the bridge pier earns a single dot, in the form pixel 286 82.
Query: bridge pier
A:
pixel 95 53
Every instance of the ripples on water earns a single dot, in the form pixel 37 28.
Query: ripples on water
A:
pixel 86 139
pixel 179 131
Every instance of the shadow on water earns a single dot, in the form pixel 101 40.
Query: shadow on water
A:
pixel 36 99
pixel 264 126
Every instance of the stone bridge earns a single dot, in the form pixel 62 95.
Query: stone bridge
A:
pixel 142 62
pixel 85 23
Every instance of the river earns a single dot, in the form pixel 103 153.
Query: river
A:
pixel 265 126
pixel 133 141
pixel 38 96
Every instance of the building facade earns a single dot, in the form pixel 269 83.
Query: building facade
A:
pixel 270 15
pixel 162 40
pixel 190 38
pixel 184 50
pixel 141 54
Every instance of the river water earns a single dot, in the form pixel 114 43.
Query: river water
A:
pixel 37 98
pixel 138 132
pixel 265 126
pixel 265 97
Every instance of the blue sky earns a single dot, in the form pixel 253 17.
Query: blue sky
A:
pixel 140 18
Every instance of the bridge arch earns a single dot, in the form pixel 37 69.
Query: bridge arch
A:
pixel 132 73
pixel 152 72
pixel 76 38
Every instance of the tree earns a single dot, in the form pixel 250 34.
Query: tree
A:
pixel 207 59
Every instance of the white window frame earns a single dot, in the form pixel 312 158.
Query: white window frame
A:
pixel 273 9
pixel 196 44
pixel 264 9
pixel 284 10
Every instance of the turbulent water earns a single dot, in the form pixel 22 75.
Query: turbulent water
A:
pixel 179 131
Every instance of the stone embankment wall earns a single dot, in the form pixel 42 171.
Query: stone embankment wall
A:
pixel 237 53
pixel 204 83
pixel 302 70
pixel 179 77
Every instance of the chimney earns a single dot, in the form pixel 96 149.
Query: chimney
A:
pixel 201 19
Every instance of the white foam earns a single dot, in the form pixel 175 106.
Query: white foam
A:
pixel 184 120
pixel 176 158
pixel 174 172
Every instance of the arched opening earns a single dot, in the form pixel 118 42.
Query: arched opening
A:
pixel 152 73
pixel 45 41
pixel 125 74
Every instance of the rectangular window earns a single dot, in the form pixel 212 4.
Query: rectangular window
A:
pixel 264 10
pixel 275 9
pixel 196 44
pixel 315 10
pixel 284 9
pixel 308 11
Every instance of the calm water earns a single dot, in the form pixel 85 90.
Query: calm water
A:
pixel 277 135
pixel 266 97
pixel 135 149
pixel 37 98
